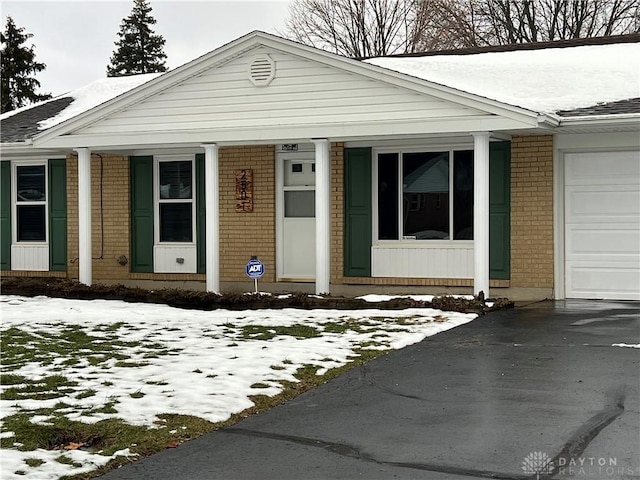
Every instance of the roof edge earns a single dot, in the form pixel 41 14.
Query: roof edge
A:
pixel 512 47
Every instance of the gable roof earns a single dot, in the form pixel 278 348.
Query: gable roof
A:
pixel 520 81
pixel 85 128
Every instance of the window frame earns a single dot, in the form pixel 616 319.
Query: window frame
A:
pixel 401 241
pixel 157 201
pixel 14 202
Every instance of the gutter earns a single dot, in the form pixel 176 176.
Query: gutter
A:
pixel 617 119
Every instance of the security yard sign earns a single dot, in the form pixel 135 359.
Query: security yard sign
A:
pixel 254 269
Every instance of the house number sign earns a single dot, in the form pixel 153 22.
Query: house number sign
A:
pixel 244 190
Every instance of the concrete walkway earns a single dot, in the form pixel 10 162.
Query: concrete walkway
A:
pixel 495 398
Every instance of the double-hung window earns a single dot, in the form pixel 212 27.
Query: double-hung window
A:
pixel 425 195
pixel 175 202
pixel 30 202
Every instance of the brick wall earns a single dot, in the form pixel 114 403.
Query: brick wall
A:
pixel 532 211
pixel 245 234
pixel 109 216
pixel 337 213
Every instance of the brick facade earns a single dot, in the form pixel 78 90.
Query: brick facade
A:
pixel 532 211
pixel 337 213
pixel 109 216
pixel 245 234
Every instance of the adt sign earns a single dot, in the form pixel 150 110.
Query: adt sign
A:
pixel 254 268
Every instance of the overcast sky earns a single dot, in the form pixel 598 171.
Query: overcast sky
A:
pixel 75 39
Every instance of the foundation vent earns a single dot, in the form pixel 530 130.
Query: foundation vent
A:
pixel 262 70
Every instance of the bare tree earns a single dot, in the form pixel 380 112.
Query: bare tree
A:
pixel 502 22
pixel 365 28
pixel 355 28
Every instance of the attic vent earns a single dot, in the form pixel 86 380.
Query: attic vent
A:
pixel 262 70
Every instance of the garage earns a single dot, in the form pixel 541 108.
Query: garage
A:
pixel 602 225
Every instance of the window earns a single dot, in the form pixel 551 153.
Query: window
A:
pixel 31 203
pixel 175 201
pixel 421 195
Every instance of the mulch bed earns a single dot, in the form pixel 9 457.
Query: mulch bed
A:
pixel 197 300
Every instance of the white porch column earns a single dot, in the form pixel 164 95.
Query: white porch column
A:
pixel 323 222
pixel 481 213
pixel 212 217
pixel 84 216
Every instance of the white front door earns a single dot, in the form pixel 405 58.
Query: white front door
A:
pixel 602 225
pixel 296 216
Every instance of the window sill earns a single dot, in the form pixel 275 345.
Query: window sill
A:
pixel 426 244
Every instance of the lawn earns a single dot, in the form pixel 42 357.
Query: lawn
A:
pixel 87 385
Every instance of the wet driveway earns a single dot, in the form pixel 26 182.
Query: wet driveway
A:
pixel 538 391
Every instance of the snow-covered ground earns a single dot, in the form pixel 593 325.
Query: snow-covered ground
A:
pixel 201 363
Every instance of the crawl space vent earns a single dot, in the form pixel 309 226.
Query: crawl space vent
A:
pixel 262 70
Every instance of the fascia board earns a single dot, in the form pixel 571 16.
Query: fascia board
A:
pixel 602 120
pixel 290 133
pixel 11 151
pixel 256 39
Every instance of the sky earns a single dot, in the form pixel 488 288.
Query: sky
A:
pixel 148 359
pixel 75 39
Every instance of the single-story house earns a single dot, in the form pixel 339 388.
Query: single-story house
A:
pixel 512 171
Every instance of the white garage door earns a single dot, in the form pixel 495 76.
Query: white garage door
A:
pixel 602 232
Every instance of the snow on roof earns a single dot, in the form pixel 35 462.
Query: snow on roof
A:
pixel 544 81
pixel 85 98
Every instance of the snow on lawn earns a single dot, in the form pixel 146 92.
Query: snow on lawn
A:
pixel 145 359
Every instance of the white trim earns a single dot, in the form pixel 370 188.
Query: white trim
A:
pixel 29 255
pixel 400 150
pixel 576 143
pixel 558 225
pixel 212 217
pixel 323 215
pixel 14 201
pixel 85 265
pixel 481 213
pixel 157 159
pixel 280 213
pixel 280 133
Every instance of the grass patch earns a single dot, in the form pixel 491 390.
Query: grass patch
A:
pixel 34 462
pixel 258 332
pixel 42 389
pixel 86 394
pixel 68 461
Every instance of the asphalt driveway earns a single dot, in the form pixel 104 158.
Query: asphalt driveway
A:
pixel 500 397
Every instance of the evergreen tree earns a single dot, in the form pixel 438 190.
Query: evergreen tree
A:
pixel 139 49
pixel 18 67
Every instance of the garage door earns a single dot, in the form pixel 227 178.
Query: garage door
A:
pixel 602 225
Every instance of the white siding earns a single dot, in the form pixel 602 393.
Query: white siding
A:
pixel 422 261
pixel 302 93
pixel 30 257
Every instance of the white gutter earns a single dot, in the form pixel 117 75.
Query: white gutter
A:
pixel 620 118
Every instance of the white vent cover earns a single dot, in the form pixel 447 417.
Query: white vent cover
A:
pixel 262 70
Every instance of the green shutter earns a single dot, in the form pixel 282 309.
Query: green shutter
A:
pixel 499 210
pixel 5 215
pixel 141 214
pixel 357 212
pixel 58 215
pixel 200 213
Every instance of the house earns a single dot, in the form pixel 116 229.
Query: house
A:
pixel 513 171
